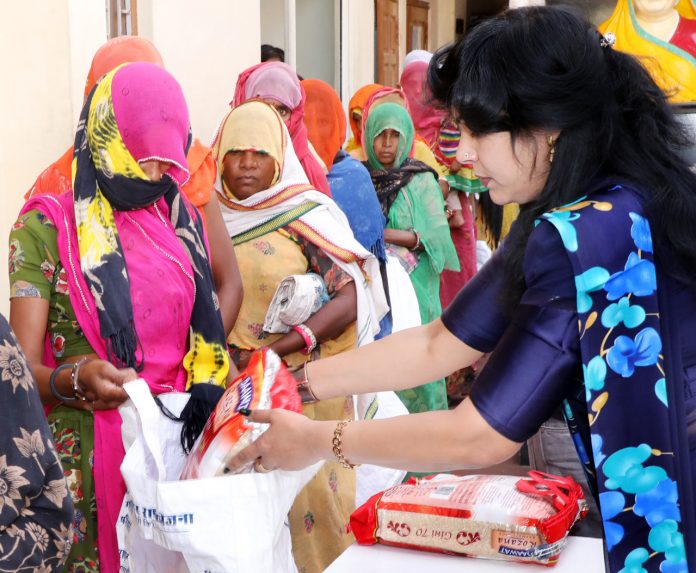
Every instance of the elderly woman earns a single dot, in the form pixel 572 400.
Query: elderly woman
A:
pixel 282 226
pixel 114 279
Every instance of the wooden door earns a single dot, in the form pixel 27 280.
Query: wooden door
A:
pixel 387 21
pixel 417 25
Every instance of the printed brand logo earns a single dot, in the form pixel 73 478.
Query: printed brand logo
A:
pixel 246 393
pixel 401 529
pixel 465 538
pixel 515 552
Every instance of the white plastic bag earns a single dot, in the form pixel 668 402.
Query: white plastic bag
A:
pixel 215 525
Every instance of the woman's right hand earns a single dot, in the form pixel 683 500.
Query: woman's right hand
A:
pixel 103 383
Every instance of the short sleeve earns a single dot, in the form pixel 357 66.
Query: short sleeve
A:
pixel 320 263
pixel 33 256
pixel 475 316
pixel 536 362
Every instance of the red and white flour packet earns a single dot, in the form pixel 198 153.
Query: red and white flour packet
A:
pixel 265 383
pixel 493 517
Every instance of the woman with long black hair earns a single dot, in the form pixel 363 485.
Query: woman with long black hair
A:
pixel 588 305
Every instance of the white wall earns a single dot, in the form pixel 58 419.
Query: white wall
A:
pixel 273 23
pixel 36 102
pixel 205 45
pixel 358 54
pixel 316 40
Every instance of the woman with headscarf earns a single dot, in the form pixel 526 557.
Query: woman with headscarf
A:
pixel 417 229
pixel 114 279
pixel 282 226
pixel 351 185
pixel 663 35
pixel 277 84
pixel 356 106
pixel 56 179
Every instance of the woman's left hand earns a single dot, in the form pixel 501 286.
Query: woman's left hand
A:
pixel 289 443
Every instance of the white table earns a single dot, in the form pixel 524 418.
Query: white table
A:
pixel 581 555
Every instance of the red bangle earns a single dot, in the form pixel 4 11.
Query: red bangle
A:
pixel 307 335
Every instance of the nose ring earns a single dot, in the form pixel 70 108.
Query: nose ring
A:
pixel 466 156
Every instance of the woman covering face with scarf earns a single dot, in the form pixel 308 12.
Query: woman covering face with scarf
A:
pixel 277 84
pixel 417 227
pixel 282 226
pixel 115 276
pixel 56 179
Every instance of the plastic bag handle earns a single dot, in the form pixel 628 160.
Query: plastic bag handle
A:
pixel 148 421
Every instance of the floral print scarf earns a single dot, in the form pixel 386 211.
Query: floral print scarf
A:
pixel 632 376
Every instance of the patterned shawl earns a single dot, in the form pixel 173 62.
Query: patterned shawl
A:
pixel 633 375
pixel 138 113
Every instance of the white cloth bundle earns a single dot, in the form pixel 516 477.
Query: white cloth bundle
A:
pixel 296 299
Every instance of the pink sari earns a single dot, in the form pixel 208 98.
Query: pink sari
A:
pixel 162 297
pixel 278 81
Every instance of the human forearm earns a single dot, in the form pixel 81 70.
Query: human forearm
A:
pixel 327 323
pixel 401 238
pixel 431 441
pixel 424 353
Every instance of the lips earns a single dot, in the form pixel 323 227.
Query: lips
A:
pixel 485 181
pixel 246 179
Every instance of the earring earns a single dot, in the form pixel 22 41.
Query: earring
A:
pixel 552 148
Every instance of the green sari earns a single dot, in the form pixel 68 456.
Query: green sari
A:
pixel 412 200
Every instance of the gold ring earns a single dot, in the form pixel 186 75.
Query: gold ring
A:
pixel 259 467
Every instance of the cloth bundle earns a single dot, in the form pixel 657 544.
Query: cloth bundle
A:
pixel 296 299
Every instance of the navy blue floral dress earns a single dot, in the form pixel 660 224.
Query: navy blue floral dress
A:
pixel 36 509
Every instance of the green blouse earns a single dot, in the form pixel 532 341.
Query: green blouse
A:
pixel 36 271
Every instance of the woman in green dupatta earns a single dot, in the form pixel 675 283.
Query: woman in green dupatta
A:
pixel 417 231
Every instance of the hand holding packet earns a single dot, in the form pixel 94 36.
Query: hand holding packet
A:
pixel 265 383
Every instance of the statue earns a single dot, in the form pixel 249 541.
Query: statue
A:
pixel 662 33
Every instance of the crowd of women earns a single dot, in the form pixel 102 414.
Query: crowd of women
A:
pixel 143 253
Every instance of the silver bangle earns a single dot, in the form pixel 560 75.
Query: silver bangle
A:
pixel 74 377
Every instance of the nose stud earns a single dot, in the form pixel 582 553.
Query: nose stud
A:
pixel 465 156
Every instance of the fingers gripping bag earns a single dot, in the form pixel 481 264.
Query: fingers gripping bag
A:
pixel 264 384
pixel 493 517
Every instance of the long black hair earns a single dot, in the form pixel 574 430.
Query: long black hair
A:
pixel 546 69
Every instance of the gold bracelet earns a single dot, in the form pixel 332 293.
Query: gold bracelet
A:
pixel 338 445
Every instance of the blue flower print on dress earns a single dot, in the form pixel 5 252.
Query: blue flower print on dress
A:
pixel 661 391
pixel 612 504
pixel 638 278
pixel 631 315
pixel 591 280
pixel 628 353
pixel 562 221
pixel 634 561
pixel 597 453
pixel 594 374
pixel 640 232
pixel 666 538
pixel 659 503
pixel 624 470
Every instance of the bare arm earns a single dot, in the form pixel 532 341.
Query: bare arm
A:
pixel 327 323
pixel 431 441
pixel 401 238
pixel 402 360
pixel 101 381
pixel 228 281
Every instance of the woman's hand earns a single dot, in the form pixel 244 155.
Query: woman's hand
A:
pixel 103 383
pixel 292 441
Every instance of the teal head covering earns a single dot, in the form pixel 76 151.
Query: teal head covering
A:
pixel 389 116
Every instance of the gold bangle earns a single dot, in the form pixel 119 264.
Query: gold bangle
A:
pixel 338 445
